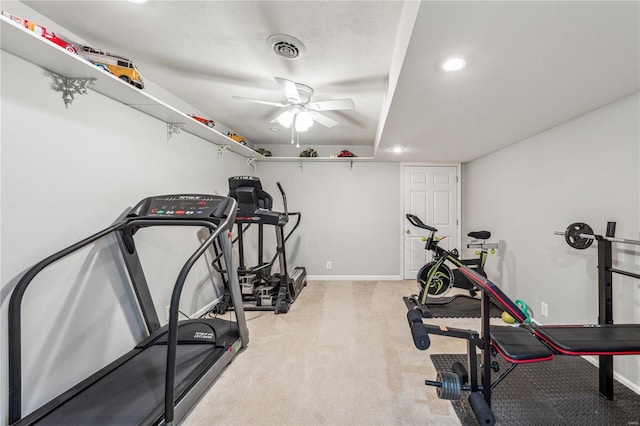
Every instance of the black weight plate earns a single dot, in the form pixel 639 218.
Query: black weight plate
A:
pixel 450 386
pixel 573 238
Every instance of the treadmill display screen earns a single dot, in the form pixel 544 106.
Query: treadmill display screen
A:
pixel 182 206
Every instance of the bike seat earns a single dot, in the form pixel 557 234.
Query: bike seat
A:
pixel 480 235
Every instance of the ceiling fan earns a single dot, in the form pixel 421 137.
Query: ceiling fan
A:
pixel 299 111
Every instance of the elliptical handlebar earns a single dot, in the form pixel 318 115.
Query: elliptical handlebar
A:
pixel 415 221
pixel 284 198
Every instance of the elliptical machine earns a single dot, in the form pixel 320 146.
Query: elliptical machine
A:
pixel 261 289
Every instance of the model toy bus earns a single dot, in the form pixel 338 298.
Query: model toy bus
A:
pixel 119 66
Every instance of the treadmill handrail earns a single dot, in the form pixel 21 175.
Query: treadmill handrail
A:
pixel 15 319
pixel 172 338
pixel 15 301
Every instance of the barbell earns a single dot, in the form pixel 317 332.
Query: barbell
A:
pixel 580 236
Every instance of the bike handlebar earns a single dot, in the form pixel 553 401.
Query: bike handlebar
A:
pixel 415 221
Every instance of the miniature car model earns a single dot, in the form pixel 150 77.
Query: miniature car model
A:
pixel 237 138
pixel 41 31
pixel 205 121
pixel 346 153
pixel 60 42
pixel 119 66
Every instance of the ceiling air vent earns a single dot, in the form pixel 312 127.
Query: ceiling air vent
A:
pixel 285 46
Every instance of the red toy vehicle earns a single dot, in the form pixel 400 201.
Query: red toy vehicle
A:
pixel 41 31
pixel 346 153
pixel 60 42
pixel 205 121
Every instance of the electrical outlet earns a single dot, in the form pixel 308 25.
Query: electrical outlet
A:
pixel 544 309
pixel 329 265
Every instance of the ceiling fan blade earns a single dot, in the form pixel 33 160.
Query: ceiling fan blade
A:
pixel 258 101
pixel 332 105
pixel 323 119
pixel 289 89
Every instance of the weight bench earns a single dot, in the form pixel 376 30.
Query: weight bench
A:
pixel 522 344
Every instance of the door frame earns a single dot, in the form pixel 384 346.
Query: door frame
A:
pixel 403 219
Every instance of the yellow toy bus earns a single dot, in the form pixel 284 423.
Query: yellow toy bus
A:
pixel 117 65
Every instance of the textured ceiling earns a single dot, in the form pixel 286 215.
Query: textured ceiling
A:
pixel 531 65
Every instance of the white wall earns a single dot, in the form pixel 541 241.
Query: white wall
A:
pixel 66 174
pixel 350 216
pixel 585 170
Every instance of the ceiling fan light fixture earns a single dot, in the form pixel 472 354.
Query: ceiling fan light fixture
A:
pixel 303 121
pixel 285 46
pixel 286 118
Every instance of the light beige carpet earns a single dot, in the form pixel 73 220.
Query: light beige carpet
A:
pixel 343 355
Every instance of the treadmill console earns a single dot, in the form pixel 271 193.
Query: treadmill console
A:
pixel 182 206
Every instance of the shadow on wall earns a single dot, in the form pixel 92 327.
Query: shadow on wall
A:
pixel 502 250
pixel 64 318
pixel 510 269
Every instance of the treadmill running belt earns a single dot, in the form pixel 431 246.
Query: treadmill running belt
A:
pixel 128 394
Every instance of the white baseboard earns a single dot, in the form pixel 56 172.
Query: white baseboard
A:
pixel 354 277
pixel 633 386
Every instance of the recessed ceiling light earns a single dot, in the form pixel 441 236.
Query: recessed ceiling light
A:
pixel 454 64
pixel 274 129
pixel 397 149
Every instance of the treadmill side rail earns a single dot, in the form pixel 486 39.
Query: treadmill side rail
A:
pixel 164 376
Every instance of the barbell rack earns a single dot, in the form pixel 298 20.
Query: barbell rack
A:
pixel 581 240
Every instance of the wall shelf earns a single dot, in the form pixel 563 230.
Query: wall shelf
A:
pixel 317 159
pixel 27 45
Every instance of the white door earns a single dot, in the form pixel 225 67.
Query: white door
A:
pixel 430 192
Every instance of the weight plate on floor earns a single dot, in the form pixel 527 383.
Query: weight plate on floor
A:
pixel 573 238
pixel 450 386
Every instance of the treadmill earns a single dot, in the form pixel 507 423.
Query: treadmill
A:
pixel 262 290
pixel 165 374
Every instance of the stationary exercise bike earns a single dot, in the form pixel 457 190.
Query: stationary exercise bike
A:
pixel 435 278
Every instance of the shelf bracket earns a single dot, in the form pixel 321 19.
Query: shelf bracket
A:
pixel 69 87
pixel 300 164
pixel 351 165
pixel 251 162
pixel 222 149
pixel 174 129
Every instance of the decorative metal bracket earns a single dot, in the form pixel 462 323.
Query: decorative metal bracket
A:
pixel 222 149
pixel 70 87
pixel 251 162
pixel 174 129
